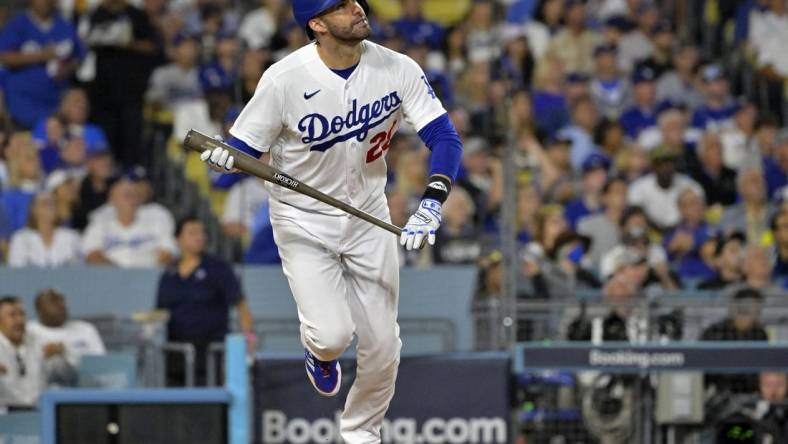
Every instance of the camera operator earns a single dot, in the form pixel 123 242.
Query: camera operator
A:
pixel 742 324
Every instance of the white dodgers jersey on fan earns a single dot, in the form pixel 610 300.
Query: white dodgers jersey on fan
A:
pixel 333 133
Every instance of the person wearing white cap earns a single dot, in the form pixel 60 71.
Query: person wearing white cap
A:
pixel 43 243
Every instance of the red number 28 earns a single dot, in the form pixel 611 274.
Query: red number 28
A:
pixel 380 143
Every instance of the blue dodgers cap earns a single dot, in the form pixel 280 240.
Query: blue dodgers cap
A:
pixel 643 74
pixel 576 77
pixel 595 161
pixel 306 10
pixel 712 72
pixel 136 173
pixel 559 139
pixel 182 37
pixel 605 48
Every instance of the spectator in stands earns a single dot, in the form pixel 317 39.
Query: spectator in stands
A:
pixel 252 66
pixel 63 186
pixel 773 386
pixel 53 326
pixel 241 206
pixel 593 182
pixel 609 137
pixel 517 63
pixel 753 213
pixel 551 108
pixel 758 274
pixel 610 91
pixel 176 82
pixel 779 226
pixel 24 179
pixel 554 176
pixel 459 242
pixel 65 137
pixel 155 214
pixel 728 262
pixel 603 228
pixel 634 228
pixel 574 45
pixel 219 76
pixel 94 188
pixel 684 242
pixel 645 110
pixel 738 149
pixel 768 30
pixel 128 239
pixel 544 24
pixel 529 202
pixel 679 86
pixel 482 177
pixel 717 180
pixel 416 29
pixel 718 107
pixel 490 282
pixel 775 167
pixel 473 93
pixel 547 273
pixel 259 26
pixel 742 324
pixel 671 131
pixel 124 42
pixel 43 242
pixel 663 39
pixel 581 131
pixel 483 32
pixel 199 290
pixel 770 410
pixel 657 193
pixel 637 44
pixel 26 363
pixel 40 51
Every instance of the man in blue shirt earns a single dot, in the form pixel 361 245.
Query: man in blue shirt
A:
pixel 40 51
pixel 718 108
pixel 643 114
pixel 581 131
pixel 198 290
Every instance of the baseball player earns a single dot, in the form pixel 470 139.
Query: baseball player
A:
pixel 326 114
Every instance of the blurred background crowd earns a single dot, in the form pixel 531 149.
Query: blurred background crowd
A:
pixel 649 141
pixel 642 132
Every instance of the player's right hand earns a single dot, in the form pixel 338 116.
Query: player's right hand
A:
pixel 219 159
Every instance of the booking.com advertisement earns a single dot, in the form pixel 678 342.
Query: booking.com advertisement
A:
pixel 438 400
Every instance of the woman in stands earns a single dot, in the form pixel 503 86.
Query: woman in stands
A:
pixel 43 242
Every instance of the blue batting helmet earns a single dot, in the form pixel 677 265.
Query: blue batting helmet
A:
pixel 306 10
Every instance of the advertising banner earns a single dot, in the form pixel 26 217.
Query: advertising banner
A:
pixel 438 399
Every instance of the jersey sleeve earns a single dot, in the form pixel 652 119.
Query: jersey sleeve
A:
pixel 420 104
pixel 262 119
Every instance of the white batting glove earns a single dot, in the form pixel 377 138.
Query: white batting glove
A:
pixel 422 225
pixel 219 159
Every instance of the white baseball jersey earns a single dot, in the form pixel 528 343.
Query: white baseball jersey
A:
pixel 333 133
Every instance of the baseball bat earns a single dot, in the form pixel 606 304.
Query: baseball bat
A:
pixel 196 141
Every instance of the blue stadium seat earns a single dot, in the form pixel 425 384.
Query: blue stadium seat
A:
pixel 20 427
pixel 113 370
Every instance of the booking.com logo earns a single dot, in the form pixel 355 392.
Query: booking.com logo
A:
pixel 277 428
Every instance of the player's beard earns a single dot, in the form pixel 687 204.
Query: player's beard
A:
pixel 353 33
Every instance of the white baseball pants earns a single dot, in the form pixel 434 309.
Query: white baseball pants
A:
pixel 344 275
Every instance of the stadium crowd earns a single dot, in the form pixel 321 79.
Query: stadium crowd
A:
pixel 650 142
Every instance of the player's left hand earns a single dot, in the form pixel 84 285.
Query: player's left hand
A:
pixel 422 225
